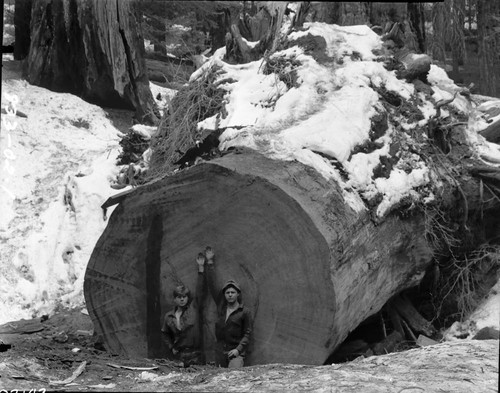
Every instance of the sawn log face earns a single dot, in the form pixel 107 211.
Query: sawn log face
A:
pixel 311 269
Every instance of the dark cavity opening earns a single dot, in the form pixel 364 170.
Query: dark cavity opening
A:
pixel 375 336
pixel 359 341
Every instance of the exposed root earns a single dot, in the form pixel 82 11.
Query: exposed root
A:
pixel 463 282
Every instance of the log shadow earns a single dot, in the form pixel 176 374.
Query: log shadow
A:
pixel 153 309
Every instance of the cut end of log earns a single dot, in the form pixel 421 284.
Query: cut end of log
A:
pixel 262 237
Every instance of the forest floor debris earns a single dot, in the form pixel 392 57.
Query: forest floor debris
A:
pixel 37 360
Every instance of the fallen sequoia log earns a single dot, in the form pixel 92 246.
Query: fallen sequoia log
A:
pixel 310 267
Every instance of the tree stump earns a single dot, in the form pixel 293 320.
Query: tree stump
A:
pixel 310 267
pixel 92 49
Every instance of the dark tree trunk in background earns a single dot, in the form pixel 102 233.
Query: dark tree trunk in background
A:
pixel 340 13
pixel 92 49
pixel 417 22
pixel 458 47
pixel 159 34
pixel 264 27
pixel 325 12
pixel 22 18
pixel 353 13
pixel 218 30
pixel 488 16
pixel 311 268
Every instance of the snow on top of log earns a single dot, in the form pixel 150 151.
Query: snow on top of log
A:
pixel 483 116
pixel 444 88
pixel 336 131
pixel 343 39
pixel 250 44
pixel 328 111
pixel 320 113
pixel 488 113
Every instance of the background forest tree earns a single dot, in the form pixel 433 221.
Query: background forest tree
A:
pixel 463 35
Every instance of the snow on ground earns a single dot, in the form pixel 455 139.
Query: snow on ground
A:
pixel 162 95
pixel 486 315
pixel 56 176
pixel 60 164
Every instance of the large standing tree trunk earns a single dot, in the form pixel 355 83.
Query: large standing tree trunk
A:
pixel 353 13
pixel 488 25
pixel 93 49
pixel 22 18
pixel 416 17
pixel 310 267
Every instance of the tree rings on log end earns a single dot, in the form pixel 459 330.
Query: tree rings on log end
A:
pixel 263 238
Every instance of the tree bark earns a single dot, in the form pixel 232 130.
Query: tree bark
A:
pixel 22 18
pixel 311 268
pixel 488 13
pixel 272 16
pixel 326 12
pixel 92 49
pixel 417 22
pixel 353 13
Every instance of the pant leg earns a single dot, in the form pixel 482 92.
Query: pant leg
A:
pixel 190 357
pixel 220 356
pixel 236 362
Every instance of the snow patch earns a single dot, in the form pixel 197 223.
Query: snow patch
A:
pixel 65 155
pixel 343 39
pixel 486 315
pixel 325 114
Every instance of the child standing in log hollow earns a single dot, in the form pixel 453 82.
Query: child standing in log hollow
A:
pixel 181 327
pixel 234 322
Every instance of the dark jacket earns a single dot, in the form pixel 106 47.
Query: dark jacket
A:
pixel 188 336
pixel 235 332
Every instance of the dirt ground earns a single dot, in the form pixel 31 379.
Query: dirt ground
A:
pixel 47 355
